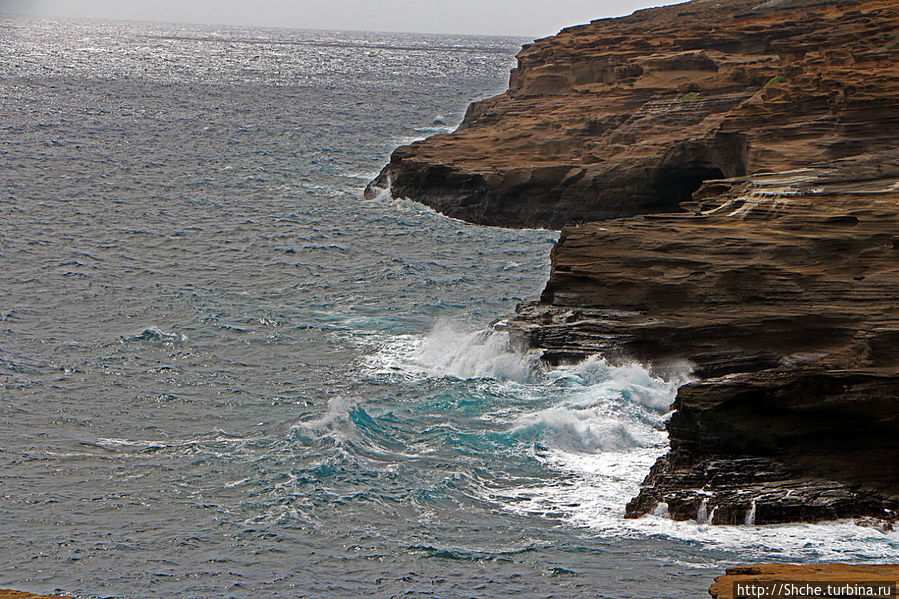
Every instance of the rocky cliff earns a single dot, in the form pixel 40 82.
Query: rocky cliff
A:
pixel 726 176
pixel 627 116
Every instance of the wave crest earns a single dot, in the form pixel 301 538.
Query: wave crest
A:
pixel 449 351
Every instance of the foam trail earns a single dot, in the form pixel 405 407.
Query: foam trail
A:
pixel 338 411
pixel 154 334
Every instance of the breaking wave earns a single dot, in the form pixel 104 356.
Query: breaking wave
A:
pixel 593 429
pixel 449 351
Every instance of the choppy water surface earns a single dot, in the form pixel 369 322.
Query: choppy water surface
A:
pixel 226 374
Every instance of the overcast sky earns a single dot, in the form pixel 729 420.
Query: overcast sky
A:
pixel 532 18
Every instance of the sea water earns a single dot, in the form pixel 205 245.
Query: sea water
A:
pixel 224 373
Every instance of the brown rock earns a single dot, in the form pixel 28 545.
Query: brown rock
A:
pixel 793 268
pixel 7 594
pixel 726 173
pixel 627 116
pixel 782 292
pixel 838 575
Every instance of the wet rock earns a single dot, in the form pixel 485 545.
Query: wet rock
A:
pixel 783 444
pixel 780 290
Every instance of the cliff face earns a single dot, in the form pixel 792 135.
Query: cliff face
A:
pixel 798 267
pixel 783 293
pixel 627 116
pixel 727 174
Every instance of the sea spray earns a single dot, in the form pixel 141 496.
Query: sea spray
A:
pixel 702 513
pixel 449 350
pixel 599 425
pixel 595 429
pixel 750 515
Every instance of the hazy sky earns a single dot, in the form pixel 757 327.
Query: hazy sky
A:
pixel 533 18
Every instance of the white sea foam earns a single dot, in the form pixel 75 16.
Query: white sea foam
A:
pixel 449 351
pixel 332 423
pixel 605 438
pixel 601 428
pixel 599 485
pixel 435 129
pixel 154 334
pixel 600 408
pixel 148 445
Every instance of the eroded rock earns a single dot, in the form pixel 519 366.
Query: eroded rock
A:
pixel 726 177
pixel 781 289
pixel 628 116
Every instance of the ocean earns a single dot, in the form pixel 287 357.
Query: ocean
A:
pixel 225 373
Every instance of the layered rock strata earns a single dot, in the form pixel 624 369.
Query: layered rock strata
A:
pixel 782 293
pixel 627 116
pixel 726 176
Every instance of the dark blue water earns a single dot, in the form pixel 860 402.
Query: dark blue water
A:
pixel 226 374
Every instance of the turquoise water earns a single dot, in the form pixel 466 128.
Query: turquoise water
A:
pixel 224 373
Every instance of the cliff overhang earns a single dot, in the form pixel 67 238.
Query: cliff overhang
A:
pixel 725 174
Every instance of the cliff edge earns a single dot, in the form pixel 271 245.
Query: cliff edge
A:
pixel 726 177
pixel 628 116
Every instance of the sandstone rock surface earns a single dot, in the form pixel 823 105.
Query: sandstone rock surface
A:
pixel 726 177
pixel 627 116
pixel 839 575
pixel 8 594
